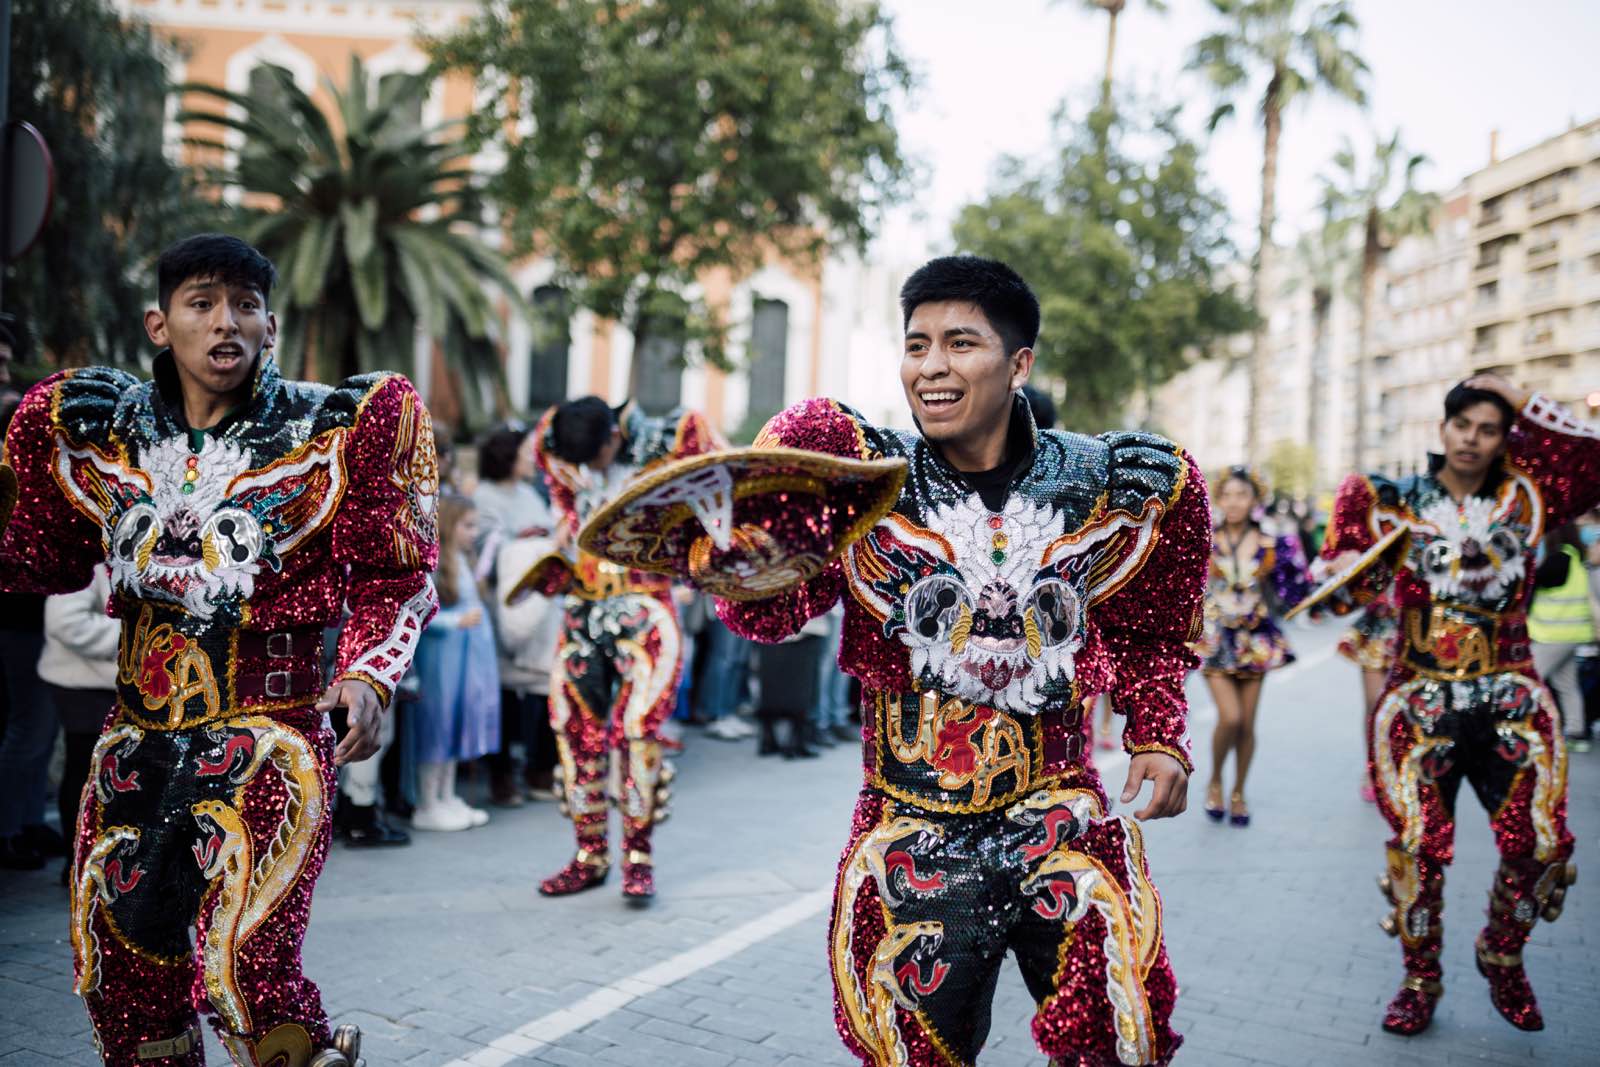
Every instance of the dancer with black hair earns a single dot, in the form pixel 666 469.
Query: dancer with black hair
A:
pixel 1012 574
pixel 1255 577
pixel 621 649
pixel 238 513
pixel 1464 701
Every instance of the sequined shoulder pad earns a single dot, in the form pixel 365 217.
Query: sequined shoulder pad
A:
pixel 86 402
pixel 341 405
pixel 1141 467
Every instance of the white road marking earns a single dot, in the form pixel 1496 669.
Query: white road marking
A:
pixel 546 1030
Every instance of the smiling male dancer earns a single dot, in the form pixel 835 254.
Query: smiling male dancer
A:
pixel 239 513
pixel 1019 573
pixel 1463 700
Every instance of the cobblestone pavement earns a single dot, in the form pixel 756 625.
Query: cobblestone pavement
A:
pixel 441 950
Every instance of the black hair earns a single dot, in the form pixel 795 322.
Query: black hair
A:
pixel 995 288
pixel 1044 409
pixel 497 454
pixel 1462 396
pixel 581 428
pixel 216 256
pixel 1240 473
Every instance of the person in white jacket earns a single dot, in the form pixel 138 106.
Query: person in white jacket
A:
pixel 79 664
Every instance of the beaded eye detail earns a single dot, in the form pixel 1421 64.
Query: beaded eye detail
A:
pixel 231 537
pixel 1051 615
pixel 135 536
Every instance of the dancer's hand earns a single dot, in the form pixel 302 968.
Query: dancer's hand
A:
pixel 1170 794
pixel 1514 395
pixel 365 713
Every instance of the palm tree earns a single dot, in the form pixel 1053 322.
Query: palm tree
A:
pixel 372 227
pixel 1113 8
pixel 1301 47
pixel 1323 262
pixel 1386 214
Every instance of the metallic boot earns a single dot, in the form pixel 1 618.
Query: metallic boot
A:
pixel 582 792
pixel 1415 886
pixel 1524 891
pixel 645 796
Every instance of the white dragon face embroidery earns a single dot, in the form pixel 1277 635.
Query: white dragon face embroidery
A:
pixel 1469 552
pixel 184 546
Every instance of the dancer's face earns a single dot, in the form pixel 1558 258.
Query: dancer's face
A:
pixel 1235 499
pixel 958 376
pixel 216 332
pixel 1473 439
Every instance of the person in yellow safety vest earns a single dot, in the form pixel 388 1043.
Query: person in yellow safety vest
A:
pixel 1561 622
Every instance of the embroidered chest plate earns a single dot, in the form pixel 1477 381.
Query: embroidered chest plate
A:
pixel 993 606
pixel 196 528
pixel 1477 553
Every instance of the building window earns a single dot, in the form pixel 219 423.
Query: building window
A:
pixel 266 89
pixel 412 106
pixel 550 347
pixel 658 362
pixel 769 357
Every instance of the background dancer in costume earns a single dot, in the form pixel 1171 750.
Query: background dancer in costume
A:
pixel 1370 644
pixel 1017 573
pixel 1254 577
pixel 239 512
pixel 621 651
pixel 1464 701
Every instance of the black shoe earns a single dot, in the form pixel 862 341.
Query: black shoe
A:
pixel 17 855
pixel 769 737
pixel 818 738
pixel 365 828
pixel 45 840
pixel 846 734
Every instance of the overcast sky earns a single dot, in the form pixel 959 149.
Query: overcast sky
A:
pixel 1445 72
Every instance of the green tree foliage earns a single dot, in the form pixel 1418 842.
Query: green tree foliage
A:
pixel 1299 47
pixel 95 84
pixel 1125 249
pixel 373 222
pixel 647 143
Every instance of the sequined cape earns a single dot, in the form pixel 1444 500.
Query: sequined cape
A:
pixel 305 499
pixel 1549 475
pixel 1097 561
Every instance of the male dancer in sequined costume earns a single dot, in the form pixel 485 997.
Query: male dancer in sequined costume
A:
pixel 1020 573
pixel 239 513
pixel 621 650
pixel 1463 700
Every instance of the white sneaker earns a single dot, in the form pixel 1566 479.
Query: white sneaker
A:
pixel 474 816
pixel 441 818
pixel 727 728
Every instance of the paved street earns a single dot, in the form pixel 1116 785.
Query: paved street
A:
pixel 445 954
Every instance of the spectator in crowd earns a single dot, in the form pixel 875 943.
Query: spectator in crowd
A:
pixel 458 711
pixel 722 684
pixel 516 527
pixel 1560 623
pixel 830 716
pixel 79 665
pixel 28 732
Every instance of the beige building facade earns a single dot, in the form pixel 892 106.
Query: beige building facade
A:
pixel 778 316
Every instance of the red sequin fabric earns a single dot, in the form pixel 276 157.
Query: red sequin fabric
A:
pixel 977 635
pixel 229 550
pixel 1463 701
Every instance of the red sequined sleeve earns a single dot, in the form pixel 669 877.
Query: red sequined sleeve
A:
pixel 1561 453
pixel 1350 526
pixel 695 435
pixel 818 425
pixel 386 533
pixel 49 546
pixel 1147 625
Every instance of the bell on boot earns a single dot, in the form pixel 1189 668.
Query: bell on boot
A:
pixel 1389 925
pixel 1386 887
pixel 638 877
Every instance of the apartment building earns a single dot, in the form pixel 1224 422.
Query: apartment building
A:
pixel 778 315
pixel 1534 310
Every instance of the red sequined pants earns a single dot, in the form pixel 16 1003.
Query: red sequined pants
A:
pixel 1501 734
pixel 615 681
pixel 223 829
pixel 927 904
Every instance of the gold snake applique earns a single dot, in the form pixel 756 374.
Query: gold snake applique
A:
pixel 884 983
pixel 100 881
